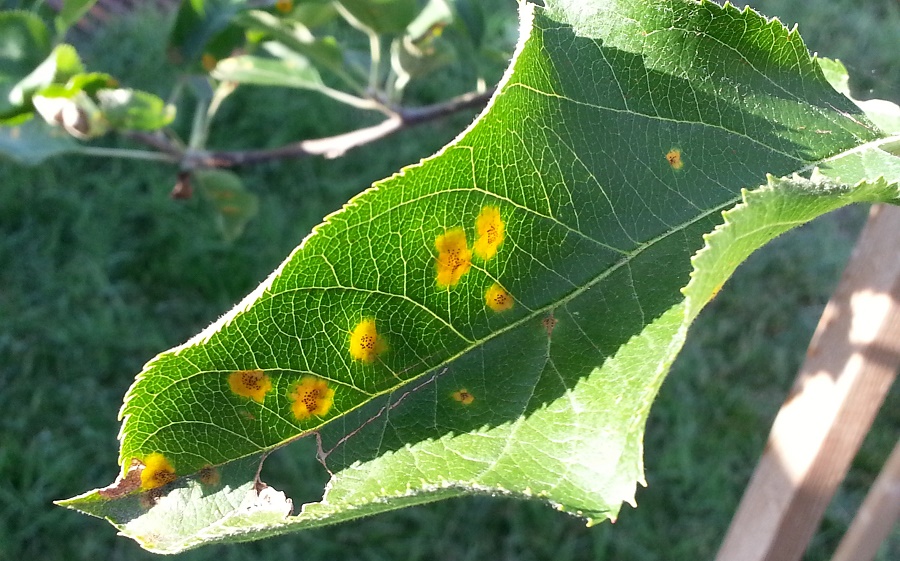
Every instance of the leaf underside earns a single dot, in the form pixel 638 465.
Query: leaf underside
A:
pixel 617 137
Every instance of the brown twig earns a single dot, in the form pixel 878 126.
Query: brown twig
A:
pixel 329 147
pixel 157 141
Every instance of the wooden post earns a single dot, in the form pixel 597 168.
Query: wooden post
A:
pixel 850 365
pixel 876 517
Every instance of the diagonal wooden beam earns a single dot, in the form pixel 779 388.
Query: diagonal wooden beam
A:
pixel 876 517
pixel 850 365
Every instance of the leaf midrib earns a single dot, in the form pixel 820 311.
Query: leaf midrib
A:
pixel 537 312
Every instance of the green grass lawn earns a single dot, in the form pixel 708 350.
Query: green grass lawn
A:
pixel 101 270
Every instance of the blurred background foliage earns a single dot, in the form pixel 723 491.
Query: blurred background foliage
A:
pixel 101 270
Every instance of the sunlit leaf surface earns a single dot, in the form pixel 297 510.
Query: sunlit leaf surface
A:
pixel 499 318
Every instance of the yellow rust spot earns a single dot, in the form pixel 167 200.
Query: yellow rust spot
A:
pixel 158 471
pixel 254 384
pixel 674 159
pixel 489 229
pixel 284 6
pixel 208 476
pixel 463 396
pixel 498 299
pixel 454 257
pixel 365 342
pixel 310 396
pixel 716 290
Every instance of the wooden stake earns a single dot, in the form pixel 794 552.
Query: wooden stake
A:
pixel 850 365
pixel 876 517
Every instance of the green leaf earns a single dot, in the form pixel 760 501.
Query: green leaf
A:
pixel 498 318
pixel 90 82
pixel 134 109
pixel 384 17
pixel 292 71
pixel 314 14
pixel 206 26
pixel 71 104
pixel 24 43
pixel 422 49
pixel 62 64
pixel 324 53
pixel 781 205
pixel 470 14
pixel 33 142
pixel 412 59
pixel 235 205
pixel 71 12
pixel 883 113
pixel 436 15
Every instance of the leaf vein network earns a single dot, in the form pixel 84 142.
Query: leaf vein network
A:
pixel 379 293
pixel 625 261
pixel 831 117
pixel 195 422
pixel 659 118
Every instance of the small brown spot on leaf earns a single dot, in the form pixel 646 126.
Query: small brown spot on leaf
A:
pixel 208 475
pixel 549 324
pixel 151 498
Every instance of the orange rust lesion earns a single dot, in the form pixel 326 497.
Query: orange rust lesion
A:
pixel 454 257
pixel 490 230
pixel 254 384
pixel 310 397
pixel 463 396
pixel 498 298
pixel 675 159
pixel 366 344
pixel 158 471
pixel 284 6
